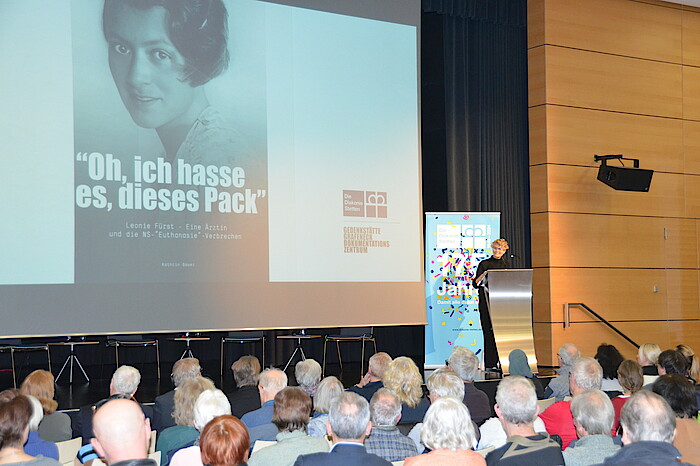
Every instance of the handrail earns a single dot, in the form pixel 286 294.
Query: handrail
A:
pixel 567 320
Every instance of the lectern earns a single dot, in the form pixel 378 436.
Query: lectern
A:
pixel 509 300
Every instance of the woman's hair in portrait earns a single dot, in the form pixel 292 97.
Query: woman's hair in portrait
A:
pixel 224 442
pixel 609 359
pixel 292 410
pixel 185 398
pixel 501 243
pixel 197 28
pixel 630 376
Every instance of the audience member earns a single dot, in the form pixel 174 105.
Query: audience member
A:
pixel 35 445
pixel 679 393
pixel 518 365
pixel 372 380
pixel 442 382
pixel 183 433
pixel 559 386
pixel 609 359
pixel 385 440
pixel 224 442
pixel 55 427
pixel 291 416
pixel 672 362
pixel 15 415
pixel 307 373
pixel 183 369
pixel 693 371
pixel 209 404
pixel 122 434
pixel 648 428
pixel 586 374
pixel 328 390
pixel 270 382
pixel 465 363
pixel 647 357
pixel 403 378
pixel 516 407
pixel 125 381
pixel 348 426
pixel 593 415
pixel 629 374
pixel 449 433
pixel 246 397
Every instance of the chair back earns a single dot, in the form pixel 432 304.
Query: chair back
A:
pixel 68 450
pixel 356 331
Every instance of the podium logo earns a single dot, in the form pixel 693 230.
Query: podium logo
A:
pixel 371 204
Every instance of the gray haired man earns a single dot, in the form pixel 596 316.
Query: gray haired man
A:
pixel 593 417
pixel 385 440
pixel 649 426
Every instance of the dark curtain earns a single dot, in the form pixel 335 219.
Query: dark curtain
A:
pixel 474 113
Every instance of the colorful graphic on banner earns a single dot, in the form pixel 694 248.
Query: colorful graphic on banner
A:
pixel 455 243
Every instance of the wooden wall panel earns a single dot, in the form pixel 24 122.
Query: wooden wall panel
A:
pixel 537 119
pixel 577 189
pixel 691 93
pixel 594 80
pixel 613 292
pixel 537 77
pixel 691 38
pixel 574 135
pixel 615 26
pixel 539 228
pixel 576 240
pixel 691 146
pixel 541 307
pixel 692 195
pixel 535 23
pixel 539 200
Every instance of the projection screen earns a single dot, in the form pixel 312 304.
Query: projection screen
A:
pixel 251 164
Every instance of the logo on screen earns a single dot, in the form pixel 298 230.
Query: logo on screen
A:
pixel 365 204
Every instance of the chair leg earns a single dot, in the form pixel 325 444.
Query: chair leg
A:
pixel 323 372
pixel 48 356
pixel 263 350
pixel 362 359
pixel 158 359
pixel 221 372
pixel 116 355
pixel 340 359
pixel 14 374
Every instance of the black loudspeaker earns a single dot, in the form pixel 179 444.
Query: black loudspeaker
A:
pixel 625 178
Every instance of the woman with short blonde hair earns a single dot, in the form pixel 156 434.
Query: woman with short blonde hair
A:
pixel 403 378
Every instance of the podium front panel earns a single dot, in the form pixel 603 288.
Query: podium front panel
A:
pixel 510 303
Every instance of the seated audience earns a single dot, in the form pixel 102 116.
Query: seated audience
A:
pixel 648 428
pixel 372 380
pixel 328 390
pixel 35 445
pixel 270 382
pixel 609 359
pixel 679 393
pixel 385 440
pixel 647 356
pixel 348 426
pixel 183 369
pixel 559 386
pixel 183 433
pixel 15 415
pixel 693 371
pixel 629 374
pixel 403 378
pixel 593 417
pixel 291 416
pixel 209 404
pixel 518 365
pixel 55 427
pixel 516 407
pixel 586 374
pixel 245 398
pixel 224 442
pixel 122 434
pixel 465 363
pixel 449 433
pixel 124 383
pixel 307 373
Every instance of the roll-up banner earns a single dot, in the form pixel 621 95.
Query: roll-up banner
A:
pixel 455 243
